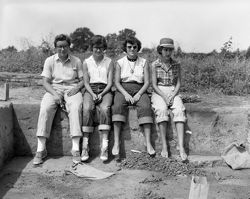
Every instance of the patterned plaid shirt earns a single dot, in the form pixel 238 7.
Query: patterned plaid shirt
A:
pixel 166 74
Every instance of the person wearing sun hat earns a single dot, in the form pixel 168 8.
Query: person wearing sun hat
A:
pixel 166 43
pixel 166 81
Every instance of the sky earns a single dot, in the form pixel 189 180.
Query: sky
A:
pixel 195 25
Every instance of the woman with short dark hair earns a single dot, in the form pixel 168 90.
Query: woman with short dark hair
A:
pixel 132 81
pixel 98 77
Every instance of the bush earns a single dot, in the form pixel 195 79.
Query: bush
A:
pixel 200 72
pixel 214 72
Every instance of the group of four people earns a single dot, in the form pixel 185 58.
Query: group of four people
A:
pixel 64 76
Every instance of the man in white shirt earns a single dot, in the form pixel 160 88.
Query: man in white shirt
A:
pixel 62 79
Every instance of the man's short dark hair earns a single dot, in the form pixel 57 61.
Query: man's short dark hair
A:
pixel 62 37
pixel 98 40
pixel 131 40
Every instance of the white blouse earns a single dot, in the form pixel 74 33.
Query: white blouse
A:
pixel 132 71
pixel 98 73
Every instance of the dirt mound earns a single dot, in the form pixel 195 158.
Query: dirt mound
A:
pixel 168 166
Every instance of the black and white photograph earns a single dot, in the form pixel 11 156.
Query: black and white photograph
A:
pixel 124 99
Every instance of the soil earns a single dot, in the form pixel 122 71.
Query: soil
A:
pixel 19 179
pixel 137 177
pixel 168 166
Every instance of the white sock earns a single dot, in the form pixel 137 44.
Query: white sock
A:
pixel 104 143
pixel 75 143
pixel 85 142
pixel 41 143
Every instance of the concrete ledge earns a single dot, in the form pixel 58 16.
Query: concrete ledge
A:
pixel 6 132
pixel 212 130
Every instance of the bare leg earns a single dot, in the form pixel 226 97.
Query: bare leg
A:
pixel 117 130
pixel 180 132
pixel 163 131
pixel 147 132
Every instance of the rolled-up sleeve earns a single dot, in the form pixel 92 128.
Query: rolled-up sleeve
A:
pixel 47 69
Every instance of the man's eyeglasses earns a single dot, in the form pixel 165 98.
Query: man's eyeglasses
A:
pixel 132 47
pixel 62 47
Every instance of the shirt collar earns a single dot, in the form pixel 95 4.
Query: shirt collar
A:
pixel 160 62
pixel 58 59
pixel 92 58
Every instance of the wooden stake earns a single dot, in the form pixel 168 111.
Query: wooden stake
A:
pixel 6 91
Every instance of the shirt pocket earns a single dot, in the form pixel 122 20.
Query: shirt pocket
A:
pixel 71 73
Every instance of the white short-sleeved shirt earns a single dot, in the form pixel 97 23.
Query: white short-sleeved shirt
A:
pixel 127 67
pixel 98 73
pixel 63 72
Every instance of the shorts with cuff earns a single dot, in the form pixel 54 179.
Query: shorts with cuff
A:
pixel 162 111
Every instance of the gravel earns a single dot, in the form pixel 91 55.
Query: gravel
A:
pixel 168 166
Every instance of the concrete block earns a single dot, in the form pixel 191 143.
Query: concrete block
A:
pixel 6 132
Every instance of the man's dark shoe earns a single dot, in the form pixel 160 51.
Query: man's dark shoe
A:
pixel 38 159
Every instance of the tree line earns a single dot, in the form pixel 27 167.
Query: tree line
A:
pixel 226 71
pixel 80 39
pixel 81 36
